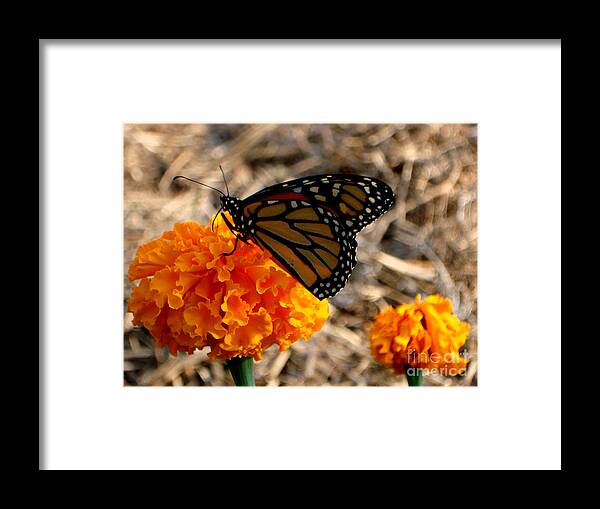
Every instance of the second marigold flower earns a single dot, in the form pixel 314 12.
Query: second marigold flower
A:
pixel 191 295
pixel 426 334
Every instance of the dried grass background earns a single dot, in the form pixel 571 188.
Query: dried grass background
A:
pixel 426 244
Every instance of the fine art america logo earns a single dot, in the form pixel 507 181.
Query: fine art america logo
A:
pixel 447 364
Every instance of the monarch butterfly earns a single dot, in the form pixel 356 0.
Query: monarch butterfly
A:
pixel 309 224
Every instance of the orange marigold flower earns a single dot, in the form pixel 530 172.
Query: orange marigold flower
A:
pixel 421 335
pixel 191 296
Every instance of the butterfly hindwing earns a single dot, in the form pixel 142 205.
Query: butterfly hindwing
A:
pixel 308 240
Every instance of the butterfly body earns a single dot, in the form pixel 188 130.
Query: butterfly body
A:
pixel 309 225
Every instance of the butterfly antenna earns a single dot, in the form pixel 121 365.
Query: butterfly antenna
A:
pixel 224 180
pixel 200 183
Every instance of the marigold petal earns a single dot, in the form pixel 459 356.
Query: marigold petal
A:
pixel 200 316
pixel 246 338
pixel 144 309
pixel 236 309
pixel 206 286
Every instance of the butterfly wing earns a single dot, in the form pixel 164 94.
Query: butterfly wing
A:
pixel 310 224
pixel 307 240
pixel 356 200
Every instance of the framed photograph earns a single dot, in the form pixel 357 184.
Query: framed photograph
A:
pixel 275 252
pixel 361 238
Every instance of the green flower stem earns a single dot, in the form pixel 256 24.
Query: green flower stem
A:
pixel 242 371
pixel 416 379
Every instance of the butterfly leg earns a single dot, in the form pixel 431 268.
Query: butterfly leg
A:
pixel 234 246
pixel 212 224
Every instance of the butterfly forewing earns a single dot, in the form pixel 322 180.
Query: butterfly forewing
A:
pixel 357 200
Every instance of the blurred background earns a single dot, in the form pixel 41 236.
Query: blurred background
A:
pixel 426 244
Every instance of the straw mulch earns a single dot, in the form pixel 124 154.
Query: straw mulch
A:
pixel 426 244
